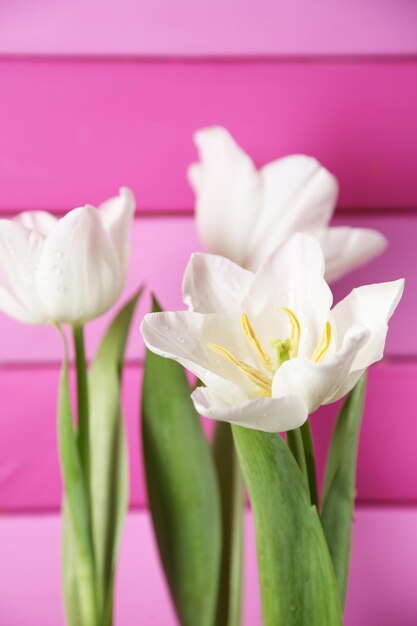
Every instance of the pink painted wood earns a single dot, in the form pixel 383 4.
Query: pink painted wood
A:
pixel 381 591
pixel 73 132
pixel 30 477
pixel 184 28
pixel 161 248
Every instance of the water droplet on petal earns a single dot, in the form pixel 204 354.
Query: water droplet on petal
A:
pixel 57 270
pixel 58 254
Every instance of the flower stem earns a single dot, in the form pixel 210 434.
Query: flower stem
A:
pixel 82 401
pixel 231 493
pixel 295 444
pixel 310 462
pixel 300 443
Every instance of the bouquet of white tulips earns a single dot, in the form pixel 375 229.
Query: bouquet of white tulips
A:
pixel 263 340
pixel 266 348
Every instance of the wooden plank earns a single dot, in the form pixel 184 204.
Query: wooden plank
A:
pixel 93 27
pixel 73 132
pixel 381 591
pixel 160 250
pixel 30 477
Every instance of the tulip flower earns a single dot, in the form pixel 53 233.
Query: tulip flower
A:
pixel 267 346
pixel 243 214
pixel 68 270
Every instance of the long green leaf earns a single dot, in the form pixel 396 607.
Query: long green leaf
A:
pixel 339 485
pixel 231 494
pixel 109 479
pixel 77 514
pixel 182 490
pixel 297 581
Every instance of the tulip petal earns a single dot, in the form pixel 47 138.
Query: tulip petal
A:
pixel 20 250
pixel 298 194
pixel 227 187
pixel 117 214
pixel 11 307
pixel 372 307
pixel 185 337
pixel 41 221
pixel 292 277
pixel 317 383
pixel 347 248
pixel 79 275
pixel 213 284
pixel 268 414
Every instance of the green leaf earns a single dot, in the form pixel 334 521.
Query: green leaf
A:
pixel 109 477
pixel 77 515
pixel 182 490
pixel 297 580
pixel 73 608
pixel 339 484
pixel 231 495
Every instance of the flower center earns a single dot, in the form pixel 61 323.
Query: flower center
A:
pixel 284 350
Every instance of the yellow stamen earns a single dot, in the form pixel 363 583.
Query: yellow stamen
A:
pixel 255 343
pixel 295 330
pixel 257 377
pixel 324 344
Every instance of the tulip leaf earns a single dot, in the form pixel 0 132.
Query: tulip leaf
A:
pixel 297 580
pixel 339 484
pixel 80 566
pixel 73 608
pixel 231 495
pixel 109 476
pixel 182 490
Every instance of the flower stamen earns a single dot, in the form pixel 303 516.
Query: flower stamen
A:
pixel 256 344
pixel 255 375
pixel 324 344
pixel 295 330
pixel 282 349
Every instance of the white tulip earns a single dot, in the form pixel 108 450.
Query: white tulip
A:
pixel 267 346
pixel 66 270
pixel 244 214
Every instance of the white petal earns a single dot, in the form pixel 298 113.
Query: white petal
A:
pixel 213 284
pixel 79 275
pixel 20 250
pixel 41 221
pixel 371 306
pixel 298 194
pixel 267 414
pixel 195 176
pixel 228 194
pixel 317 383
pixel 184 336
pixel 347 248
pixel 117 215
pixel 292 277
pixel 12 307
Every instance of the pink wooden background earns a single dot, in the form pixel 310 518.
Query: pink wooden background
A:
pixel 95 95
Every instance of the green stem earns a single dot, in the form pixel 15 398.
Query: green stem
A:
pixel 300 443
pixel 82 401
pixel 295 444
pixel 310 462
pixel 231 493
